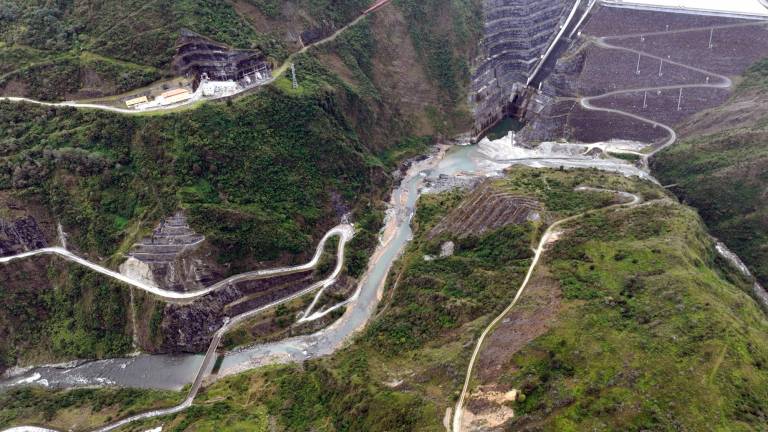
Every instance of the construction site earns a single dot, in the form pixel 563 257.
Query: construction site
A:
pixel 206 70
pixel 518 35
pixel 608 73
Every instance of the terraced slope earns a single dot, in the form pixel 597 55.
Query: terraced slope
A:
pixel 662 72
pixel 486 209
pixel 165 259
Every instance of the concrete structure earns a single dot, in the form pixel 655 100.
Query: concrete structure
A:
pixel 517 34
pixel 175 96
pixel 199 57
pixel 735 8
pixel 130 103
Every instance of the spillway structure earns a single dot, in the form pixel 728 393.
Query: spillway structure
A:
pixel 517 34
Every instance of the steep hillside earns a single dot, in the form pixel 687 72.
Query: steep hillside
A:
pixel 306 156
pixel 721 168
pixel 633 323
pixel 87 48
pixel 652 331
pixel 62 312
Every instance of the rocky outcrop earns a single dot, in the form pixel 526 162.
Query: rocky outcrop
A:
pixel 189 328
pixel 20 235
pixel 197 55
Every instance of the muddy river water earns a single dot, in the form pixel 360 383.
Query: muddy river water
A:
pixel 172 372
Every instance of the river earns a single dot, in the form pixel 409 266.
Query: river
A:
pixel 488 158
pixel 172 372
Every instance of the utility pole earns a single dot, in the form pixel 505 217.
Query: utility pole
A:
pixel 645 100
pixel 660 66
pixel 638 63
pixel 680 99
pixel 293 76
pixel 711 34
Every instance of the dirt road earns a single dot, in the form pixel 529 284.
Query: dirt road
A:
pixel 549 236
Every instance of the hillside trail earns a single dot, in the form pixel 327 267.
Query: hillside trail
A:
pixel 282 69
pixel 549 236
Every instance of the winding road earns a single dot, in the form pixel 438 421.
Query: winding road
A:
pixel 546 239
pixel 344 231
pixel 722 82
pixel 198 96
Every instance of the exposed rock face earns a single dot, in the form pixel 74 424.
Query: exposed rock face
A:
pixel 189 328
pixel 167 258
pixel 20 235
pixel 517 33
pixel 197 55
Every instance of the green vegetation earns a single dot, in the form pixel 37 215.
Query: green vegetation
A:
pixel 756 78
pixel 81 315
pixel 420 337
pixel 356 47
pixel 442 46
pixel 261 176
pixel 42 43
pixel 631 157
pixel 293 151
pixel 88 75
pixel 724 174
pixel 654 332
pixel 555 188
pixel 335 13
pixel 80 409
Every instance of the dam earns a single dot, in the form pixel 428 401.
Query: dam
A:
pixel 517 34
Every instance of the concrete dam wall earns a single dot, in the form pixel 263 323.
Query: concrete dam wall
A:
pixel 517 33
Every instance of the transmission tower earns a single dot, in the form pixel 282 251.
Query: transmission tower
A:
pixel 293 76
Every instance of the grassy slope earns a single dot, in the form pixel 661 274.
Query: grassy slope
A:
pixel 86 408
pixel 421 336
pixel 656 333
pixel 725 174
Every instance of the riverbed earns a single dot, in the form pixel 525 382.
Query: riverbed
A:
pixel 171 372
